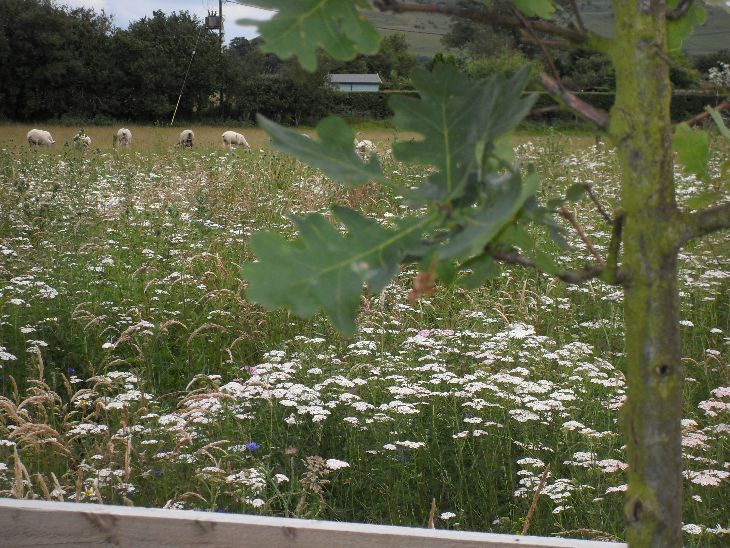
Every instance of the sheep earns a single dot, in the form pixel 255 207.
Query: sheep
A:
pixel 39 138
pixel 124 137
pixel 231 138
pixel 186 138
pixel 365 148
pixel 81 140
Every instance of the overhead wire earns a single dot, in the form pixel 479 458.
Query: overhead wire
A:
pixel 187 72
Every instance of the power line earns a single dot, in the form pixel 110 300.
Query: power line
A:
pixel 412 31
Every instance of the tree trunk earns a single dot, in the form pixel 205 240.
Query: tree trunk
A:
pixel 641 130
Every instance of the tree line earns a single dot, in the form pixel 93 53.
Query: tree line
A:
pixel 74 65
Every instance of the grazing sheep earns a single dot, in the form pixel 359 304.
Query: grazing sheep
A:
pixel 39 138
pixel 124 137
pixel 81 140
pixel 186 138
pixel 365 148
pixel 231 138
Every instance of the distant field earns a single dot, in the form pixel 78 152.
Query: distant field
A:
pixel 143 137
pixel 160 139
pixel 424 31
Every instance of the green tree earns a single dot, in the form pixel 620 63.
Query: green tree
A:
pixel 151 60
pixel 393 61
pixel 480 204
pixel 52 60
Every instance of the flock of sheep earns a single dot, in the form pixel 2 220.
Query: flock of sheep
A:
pixel 123 138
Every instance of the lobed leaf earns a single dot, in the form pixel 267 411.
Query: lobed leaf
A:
pixel 324 268
pixel 334 153
pixel 301 27
pixel 480 225
pixel 460 120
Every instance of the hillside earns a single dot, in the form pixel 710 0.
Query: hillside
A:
pixel 424 31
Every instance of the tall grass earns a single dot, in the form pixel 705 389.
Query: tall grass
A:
pixel 135 372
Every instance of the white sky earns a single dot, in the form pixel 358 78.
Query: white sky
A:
pixel 125 11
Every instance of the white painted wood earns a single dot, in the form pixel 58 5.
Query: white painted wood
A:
pixel 39 523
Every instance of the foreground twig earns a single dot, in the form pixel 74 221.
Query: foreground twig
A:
pixel 568 216
pixel 535 498
pixel 599 117
pixel 705 222
pixel 701 116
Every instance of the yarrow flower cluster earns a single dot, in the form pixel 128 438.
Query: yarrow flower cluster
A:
pixel 720 75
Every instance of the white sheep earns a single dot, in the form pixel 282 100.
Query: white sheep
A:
pixel 231 138
pixel 81 140
pixel 39 138
pixel 365 148
pixel 186 138
pixel 124 137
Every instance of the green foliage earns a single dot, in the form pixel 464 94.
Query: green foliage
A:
pixel 475 189
pixel 457 117
pixel 476 40
pixel 334 154
pixel 536 8
pixel 693 150
pixel 325 269
pixel 681 29
pixel 507 63
pixel 717 118
pixel 301 27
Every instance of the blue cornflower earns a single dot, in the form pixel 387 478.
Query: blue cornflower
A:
pixel 252 446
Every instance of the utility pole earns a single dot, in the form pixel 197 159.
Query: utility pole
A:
pixel 215 21
pixel 220 51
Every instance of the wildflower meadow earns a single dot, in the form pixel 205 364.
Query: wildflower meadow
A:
pixel 134 371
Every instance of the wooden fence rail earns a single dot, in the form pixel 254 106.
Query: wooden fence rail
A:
pixel 41 523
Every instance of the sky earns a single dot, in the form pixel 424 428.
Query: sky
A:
pixel 125 11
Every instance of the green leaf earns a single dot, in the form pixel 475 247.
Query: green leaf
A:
pixel 324 268
pixel 681 29
pixel 535 8
pixel 459 120
pixel 517 236
pixel 301 27
pixel 334 153
pixel 575 192
pixel 482 268
pixel 480 225
pixel 717 117
pixel 693 149
pixel 703 199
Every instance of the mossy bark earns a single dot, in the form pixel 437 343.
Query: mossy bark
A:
pixel 641 130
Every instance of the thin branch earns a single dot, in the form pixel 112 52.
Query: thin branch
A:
pixel 550 43
pixel 599 117
pixel 706 221
pixel 568 216
pixel 612 275
pixel 701 116
pixel 599 206
pixel 680 11
pixel 578 17
pixel 545 52
pixel 483 16
pixel 568 276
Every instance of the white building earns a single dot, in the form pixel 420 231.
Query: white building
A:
pixel 355 82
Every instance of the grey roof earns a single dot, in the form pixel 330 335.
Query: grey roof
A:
pixel 355 78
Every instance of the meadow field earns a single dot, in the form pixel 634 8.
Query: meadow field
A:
pixel 134 371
